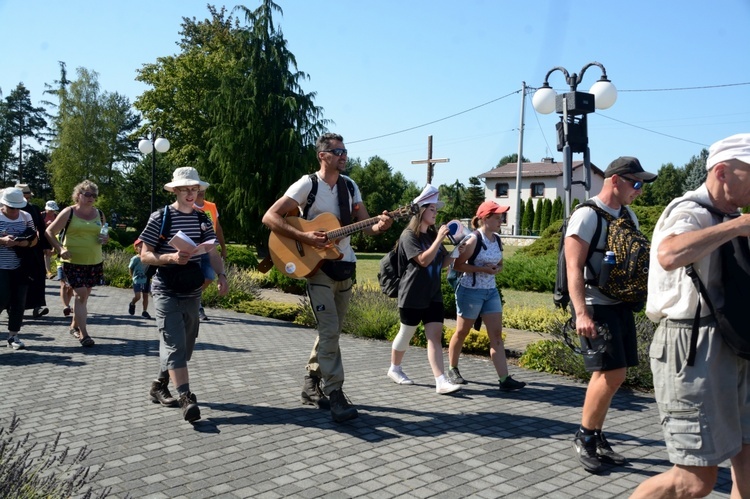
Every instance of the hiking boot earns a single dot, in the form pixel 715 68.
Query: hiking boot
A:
pixel 398 377
pixel 15 343
pixel 455 377
pixel 510 384
pixel 189 405
pixel 131 309
pixel 312 394
pixel 341 409
pixel 145 315
pixel 586 448
pixel 605 452
pixel 160 394
pixel 445 386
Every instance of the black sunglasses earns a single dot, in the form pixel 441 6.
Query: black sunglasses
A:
pixel 337 152
pixel 637 184
pixel 90 194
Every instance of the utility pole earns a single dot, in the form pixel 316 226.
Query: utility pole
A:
pixel 519 164
pixel 430 160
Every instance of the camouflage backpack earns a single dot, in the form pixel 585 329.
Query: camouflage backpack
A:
pixel 628 279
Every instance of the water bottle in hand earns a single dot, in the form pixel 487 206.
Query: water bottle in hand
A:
pixel 607 265
pixel 104 233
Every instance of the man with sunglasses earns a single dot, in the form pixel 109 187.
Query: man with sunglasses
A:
pixel 329 293
pixel 623 181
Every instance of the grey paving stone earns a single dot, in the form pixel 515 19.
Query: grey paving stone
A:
pixel 255 439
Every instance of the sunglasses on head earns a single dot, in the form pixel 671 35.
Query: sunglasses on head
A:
pixel 337 152
pixel 90 195
pixel 637 184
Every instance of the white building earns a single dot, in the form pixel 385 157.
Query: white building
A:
pixel 538 180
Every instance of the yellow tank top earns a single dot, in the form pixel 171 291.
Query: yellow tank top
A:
pixel 82 241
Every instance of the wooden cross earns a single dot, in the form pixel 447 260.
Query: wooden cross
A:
pixel 430 160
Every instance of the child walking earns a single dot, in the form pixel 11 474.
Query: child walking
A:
pixel 141 283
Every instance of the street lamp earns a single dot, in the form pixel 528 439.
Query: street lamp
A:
pixel 152 144
pixel 572 130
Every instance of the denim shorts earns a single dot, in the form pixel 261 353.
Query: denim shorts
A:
pixel 142 288
pixel 208 271
pixel 474 302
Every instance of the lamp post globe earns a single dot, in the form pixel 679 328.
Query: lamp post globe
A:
pixel 605 94
pixel 151 145
pixel 544 100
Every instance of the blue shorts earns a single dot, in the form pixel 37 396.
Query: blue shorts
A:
pixel 208 271
pixel 142 288
pixel 474 302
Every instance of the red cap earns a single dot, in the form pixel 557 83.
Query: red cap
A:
pixel 490 207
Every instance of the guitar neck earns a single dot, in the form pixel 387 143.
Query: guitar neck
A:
pixel 348 230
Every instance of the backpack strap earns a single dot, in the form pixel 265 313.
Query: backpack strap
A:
pixel 478 248
pixel 701 288
pixel 311 195
pixel 345 207
pixel 595 239
pixel 61 235
pixel 166 226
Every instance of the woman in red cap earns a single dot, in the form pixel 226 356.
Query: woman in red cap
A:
pixel 477 295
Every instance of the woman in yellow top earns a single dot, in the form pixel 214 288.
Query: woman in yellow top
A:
pixel 80 249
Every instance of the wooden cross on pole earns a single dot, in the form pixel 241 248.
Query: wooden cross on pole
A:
pixel 430 160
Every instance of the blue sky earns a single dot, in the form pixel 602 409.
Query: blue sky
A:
pixel 381 67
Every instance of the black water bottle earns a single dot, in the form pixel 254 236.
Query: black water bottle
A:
pixel 607 265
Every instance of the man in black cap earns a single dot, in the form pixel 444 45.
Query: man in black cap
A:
pixel 623 181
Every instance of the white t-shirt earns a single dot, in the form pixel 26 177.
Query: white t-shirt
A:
pixel 583 224
pixel 671 294
pixel 326 201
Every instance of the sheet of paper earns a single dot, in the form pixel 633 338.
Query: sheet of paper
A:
pixel 181 242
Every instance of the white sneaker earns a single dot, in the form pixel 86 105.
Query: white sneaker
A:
pixel 444 387
pixel 399 377
pixel 15 343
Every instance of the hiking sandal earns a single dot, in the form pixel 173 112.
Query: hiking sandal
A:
pixel 87 341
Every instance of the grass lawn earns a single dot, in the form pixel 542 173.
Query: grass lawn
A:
pixel 368 265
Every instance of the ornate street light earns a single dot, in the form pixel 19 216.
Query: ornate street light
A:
pixel 153 144
pixel 572 130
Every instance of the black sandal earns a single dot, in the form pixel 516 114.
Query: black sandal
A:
pixel 87 341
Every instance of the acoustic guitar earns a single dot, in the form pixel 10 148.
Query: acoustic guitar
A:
pixel 296 259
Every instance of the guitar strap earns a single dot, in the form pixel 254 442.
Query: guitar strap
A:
pixel 345 210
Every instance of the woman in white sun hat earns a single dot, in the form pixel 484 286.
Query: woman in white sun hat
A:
pixel 177 286
pixel 17 230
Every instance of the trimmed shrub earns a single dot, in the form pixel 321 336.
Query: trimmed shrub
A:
pixel 241 257
pixel 262 308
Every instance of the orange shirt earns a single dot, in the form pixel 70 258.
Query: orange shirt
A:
pixel 209 209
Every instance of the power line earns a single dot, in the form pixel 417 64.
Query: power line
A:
pixel 528 89
pixel 653 131
pixel 435 121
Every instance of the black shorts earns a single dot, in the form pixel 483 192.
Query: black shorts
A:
pixel 623 348
pixel 413 316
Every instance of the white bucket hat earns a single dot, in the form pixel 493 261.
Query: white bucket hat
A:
pixel 429 195
pixel 185 176
pixel 51 206
pixel 13 197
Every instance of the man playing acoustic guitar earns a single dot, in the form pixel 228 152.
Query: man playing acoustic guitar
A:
pixel 330 286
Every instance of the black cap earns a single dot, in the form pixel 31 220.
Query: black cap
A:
pixel 628 165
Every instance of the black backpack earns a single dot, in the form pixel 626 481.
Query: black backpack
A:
pixel 628 279
pixel 731 318
pixel 391 270
pixel 166 226
pixel 454 276
pixel 345 219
